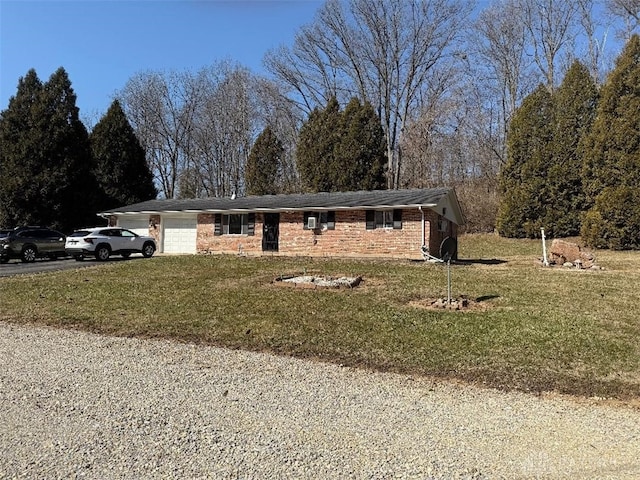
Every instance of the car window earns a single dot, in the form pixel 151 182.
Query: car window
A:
pixel 128 233
pixel 80 233
pixel 44 233
pixel 106 233
pixel 54 234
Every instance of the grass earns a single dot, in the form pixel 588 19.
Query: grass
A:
pixel 539 329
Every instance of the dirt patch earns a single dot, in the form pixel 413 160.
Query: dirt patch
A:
pixel 461 304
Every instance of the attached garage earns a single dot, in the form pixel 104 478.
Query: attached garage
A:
pixel 179 234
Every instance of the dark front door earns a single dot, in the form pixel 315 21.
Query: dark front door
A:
pixel 270 232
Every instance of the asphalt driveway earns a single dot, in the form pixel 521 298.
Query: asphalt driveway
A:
pixel 16 267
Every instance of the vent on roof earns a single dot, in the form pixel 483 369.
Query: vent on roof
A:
pixel 312 223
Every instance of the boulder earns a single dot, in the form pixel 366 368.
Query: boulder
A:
pixel 562 252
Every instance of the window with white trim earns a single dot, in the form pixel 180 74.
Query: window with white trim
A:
pixel 384 219
pixel 234 224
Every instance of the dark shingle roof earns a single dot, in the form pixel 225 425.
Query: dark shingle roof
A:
pixel 313 201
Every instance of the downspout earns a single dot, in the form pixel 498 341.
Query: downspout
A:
pixel 424 249
pixel 423 225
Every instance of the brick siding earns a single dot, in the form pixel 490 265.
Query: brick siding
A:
pixel 350 238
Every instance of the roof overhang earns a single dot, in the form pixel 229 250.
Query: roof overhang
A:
pixel 272 210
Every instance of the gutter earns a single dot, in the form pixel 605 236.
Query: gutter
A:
pixel 272 210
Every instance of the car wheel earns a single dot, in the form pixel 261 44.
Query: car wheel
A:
pixel 126 254
pixel 102 253
pixel 78 258
pixel 29 254
pixel 148 250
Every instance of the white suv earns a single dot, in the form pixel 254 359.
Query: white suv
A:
pixel 102 242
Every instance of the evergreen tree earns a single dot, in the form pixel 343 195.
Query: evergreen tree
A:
pixel 316 148
pixel 522 179
pixel 360 154
pixel 574 103
pixel 18 145
pixel 264 164
pixel 120 165
pixel 612 158
pixel 342 151
pixel 46 160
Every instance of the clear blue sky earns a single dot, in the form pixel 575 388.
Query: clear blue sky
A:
pixel 103 43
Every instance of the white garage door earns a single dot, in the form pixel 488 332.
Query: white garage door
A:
pixel 137 224
pixel 179 235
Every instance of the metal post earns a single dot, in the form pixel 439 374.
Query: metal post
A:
pixel 449 282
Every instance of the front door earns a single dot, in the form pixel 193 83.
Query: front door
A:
pixel 270 232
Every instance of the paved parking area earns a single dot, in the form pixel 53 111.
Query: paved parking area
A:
pixel 16 267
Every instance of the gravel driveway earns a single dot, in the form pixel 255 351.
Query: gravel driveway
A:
pixel 86 406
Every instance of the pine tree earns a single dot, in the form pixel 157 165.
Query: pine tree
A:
pixel 46 156
pixel 19 152
pixel 360 154
pixel 120 165
pixel 574 103
pixel 264 164
pixel 317 141
pixel 522 179
pixel 342 151
pixel 612 158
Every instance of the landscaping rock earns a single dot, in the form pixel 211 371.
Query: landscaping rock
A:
pixel 311 281
pixel 454 304
pixel 569 254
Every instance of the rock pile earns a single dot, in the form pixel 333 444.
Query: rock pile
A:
pixel 311 281
pixel 454 304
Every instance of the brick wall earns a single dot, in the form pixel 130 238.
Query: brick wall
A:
pixel 349 239
pixel 207 242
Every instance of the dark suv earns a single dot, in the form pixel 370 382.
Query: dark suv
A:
pixel 29 243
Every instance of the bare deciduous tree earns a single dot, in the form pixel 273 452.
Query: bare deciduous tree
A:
pixel 225 130
pixel 550 25
pixel 198 129
pixel 499 42
pixel 392 53
pixel 628 11
pixel 160 108
pixel 590 23
pixel 280 113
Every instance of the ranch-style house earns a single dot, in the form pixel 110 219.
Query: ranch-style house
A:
pixel 408 224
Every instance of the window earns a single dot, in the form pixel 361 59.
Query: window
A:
pixel 234 224
pixel 384 219
pixel 443 223
pixel 324 220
